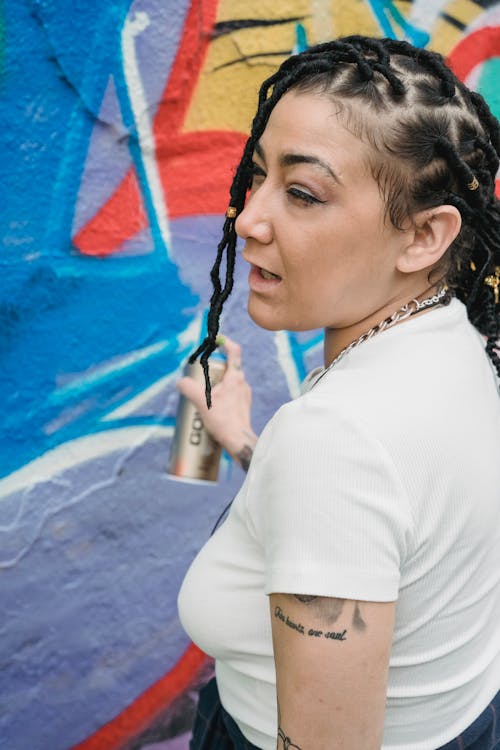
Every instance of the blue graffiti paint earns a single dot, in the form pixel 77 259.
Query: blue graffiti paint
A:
pixel 86 67
pixel 82 320
pixel 304 350
pixel 384 11
pixel 301 43
pixel 63 315
pixel 2 34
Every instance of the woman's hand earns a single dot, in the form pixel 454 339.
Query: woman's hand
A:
pixel 228 419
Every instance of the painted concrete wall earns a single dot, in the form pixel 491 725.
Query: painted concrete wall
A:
pixel 120 126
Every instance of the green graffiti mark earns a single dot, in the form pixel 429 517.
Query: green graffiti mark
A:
pixel 488 84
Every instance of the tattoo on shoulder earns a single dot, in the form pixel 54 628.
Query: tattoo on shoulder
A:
pixel 357 620
pixel 329 609
pixel 244 456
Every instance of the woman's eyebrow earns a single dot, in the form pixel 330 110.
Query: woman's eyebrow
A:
pixel 288 160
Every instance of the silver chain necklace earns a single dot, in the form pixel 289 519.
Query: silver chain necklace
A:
pixel 408 309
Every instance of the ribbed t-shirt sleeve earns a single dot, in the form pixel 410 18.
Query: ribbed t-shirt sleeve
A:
pixel 328 506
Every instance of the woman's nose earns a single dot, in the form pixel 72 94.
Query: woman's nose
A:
pixel 255 219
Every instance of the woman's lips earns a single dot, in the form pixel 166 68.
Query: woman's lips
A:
pixel 260 280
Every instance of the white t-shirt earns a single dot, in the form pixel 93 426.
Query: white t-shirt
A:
pixel 380 483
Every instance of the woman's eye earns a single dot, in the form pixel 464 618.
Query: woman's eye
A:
pixel 258 175
pixel 300 195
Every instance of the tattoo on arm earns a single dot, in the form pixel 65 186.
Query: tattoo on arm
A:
pixel 244 456
pixel 357 620
pixel 329 609
pixel 310 632
pixel 284 742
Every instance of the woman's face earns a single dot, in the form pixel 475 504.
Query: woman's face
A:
pixel 320 251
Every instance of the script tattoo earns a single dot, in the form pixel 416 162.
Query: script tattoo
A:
pixel 311 632
pixel 244 456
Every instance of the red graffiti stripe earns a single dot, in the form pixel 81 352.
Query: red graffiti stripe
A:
pixel 147 707
pixel 195 168
pixel 474 49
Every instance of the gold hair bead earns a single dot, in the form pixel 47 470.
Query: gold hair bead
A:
pixel 473 184
pixel 231 212
pixel 494 282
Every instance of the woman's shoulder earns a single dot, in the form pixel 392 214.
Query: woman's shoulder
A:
pixel 321 420
pixel 398 382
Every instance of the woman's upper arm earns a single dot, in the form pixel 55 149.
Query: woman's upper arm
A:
pixel 332 658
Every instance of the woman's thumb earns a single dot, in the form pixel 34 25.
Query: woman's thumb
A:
pixel 192 390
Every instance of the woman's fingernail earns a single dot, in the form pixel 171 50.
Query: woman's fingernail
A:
pixel 220 340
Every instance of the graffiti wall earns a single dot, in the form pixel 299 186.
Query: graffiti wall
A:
pixel 121 125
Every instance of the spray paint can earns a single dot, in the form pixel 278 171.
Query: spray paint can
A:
pixel 194 454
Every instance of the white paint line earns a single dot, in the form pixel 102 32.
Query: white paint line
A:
pixel 108 368
pixel 425 13
pixel 131 29
pixel 135 403
pixel 79 451
pixel 322 20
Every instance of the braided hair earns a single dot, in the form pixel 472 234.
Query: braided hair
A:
pixel 439 144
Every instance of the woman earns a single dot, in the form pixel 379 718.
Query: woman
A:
pixel 352 597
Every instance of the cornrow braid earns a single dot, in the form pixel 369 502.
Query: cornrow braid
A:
pixel 464 174
pixel 490 153
pixel 439 144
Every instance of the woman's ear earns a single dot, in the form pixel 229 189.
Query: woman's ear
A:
pixel 434 229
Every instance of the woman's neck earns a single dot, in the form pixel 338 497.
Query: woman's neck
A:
pixel 337 339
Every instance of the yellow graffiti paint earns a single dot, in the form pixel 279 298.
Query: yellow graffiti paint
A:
pixel 239 60
pixel 445 35
pixel 353 17
pixel 464 11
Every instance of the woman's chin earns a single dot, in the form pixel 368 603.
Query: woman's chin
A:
pixel 271 322
pixel 263 321
pixel 262 316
